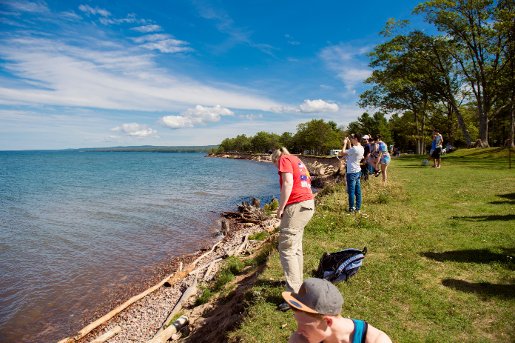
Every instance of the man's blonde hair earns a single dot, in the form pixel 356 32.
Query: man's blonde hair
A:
pixel 278 153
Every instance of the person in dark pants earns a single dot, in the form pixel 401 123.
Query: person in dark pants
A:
pixel 353 152
pixel 438 145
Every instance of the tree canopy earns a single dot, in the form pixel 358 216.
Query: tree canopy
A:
pixel 315 136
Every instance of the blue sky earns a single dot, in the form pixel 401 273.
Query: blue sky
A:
pixel 109 73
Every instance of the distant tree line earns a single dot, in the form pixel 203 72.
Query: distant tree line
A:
pixel 314 137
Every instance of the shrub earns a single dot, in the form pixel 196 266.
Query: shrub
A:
pixel 234 265
pixel 204 297
pixel 223 278
pixel 259 236
pixel 272 206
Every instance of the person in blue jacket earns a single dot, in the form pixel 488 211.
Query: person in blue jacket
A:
pixel 317 307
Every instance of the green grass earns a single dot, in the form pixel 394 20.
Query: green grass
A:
pixel 440 263
pixel 259 236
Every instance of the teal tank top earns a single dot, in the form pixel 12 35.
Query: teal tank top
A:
pixel 360 331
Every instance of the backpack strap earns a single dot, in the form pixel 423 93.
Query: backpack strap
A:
pixel 349 261
pixel 360 331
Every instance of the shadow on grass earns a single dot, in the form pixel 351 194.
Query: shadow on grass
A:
pixel 270 283
pixel 411 166
pixel 274 299
pixel 475 256
pixel 484 289
pixel 510 199
pixel 506 217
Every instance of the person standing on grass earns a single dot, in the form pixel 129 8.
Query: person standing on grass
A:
pixel 437 143
pixel 364 162
pixel 383 159
pixel 296 207
pixel 353 151
pixel 317 309
pixel 372 156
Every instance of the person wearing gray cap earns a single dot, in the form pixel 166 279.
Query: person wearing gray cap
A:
pixel 317 307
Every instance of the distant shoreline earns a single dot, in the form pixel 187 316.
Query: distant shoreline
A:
pixel 329 160
pixel 142 148
pixel 243 156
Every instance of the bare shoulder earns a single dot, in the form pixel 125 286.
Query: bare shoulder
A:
pixel 374 335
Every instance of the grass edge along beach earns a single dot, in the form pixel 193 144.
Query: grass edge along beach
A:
pixel 439 266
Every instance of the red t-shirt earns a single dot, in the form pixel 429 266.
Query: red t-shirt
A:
pixel 301 190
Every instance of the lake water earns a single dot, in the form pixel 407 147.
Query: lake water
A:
pixel 78 229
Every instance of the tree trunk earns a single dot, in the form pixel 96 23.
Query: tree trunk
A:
pixel 512 130
pixel 418 136
pixel 483 130
pixel 483 118
pixel 461 124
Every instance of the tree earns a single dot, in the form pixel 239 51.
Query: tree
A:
pixel 398 83
pixel 264 142
pixel 477 45
pixel 286 140
pixel 374 125
pixel 317 136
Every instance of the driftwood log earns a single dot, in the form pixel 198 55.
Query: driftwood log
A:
pixel 109 334
pixel 191 290
pixel 247 213
pixel 165 335
pixel 169 279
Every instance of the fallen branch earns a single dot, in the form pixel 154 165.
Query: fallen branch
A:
pixel 195 271
pixel 242 246
pixel 208 271
pixel 170 278
pixel 109 334
pixel 205 254
pixel 239 248
pixel 165 335
pixel 191 290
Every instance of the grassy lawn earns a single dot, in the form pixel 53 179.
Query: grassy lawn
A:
pixel 440 244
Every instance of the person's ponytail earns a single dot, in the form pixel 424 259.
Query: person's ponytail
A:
pixel 278 153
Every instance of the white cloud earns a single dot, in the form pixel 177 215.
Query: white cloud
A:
pixel 105 17
pixel 27 6
pixel 308 106
pixel 147 28
pixel 291 40
pixel 135 130
pixel 94 10
pixel 196 116
pixel 349 63
pixel 163 43
pixel 251 116
pixel 284 109
pixel 107 75
pixel 311 106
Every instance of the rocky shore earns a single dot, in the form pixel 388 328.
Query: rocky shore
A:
pixel 142 317
pixel 323 169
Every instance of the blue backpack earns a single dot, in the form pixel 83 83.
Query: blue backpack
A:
pixel 340 266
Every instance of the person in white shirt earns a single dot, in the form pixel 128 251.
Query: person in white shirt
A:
pixel 353 152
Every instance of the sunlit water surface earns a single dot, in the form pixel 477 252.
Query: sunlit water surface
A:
pixel 79 228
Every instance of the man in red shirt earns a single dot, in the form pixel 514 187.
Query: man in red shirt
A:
pixel 296 207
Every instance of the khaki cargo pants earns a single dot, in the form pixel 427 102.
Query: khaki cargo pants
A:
pixel 295 218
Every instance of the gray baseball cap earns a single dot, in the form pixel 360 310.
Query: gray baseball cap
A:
pixel 316 296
